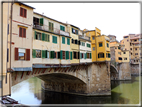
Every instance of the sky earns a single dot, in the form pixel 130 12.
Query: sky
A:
pixel 117 19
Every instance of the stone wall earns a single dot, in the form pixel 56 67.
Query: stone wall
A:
pixel 124 71
pixel 135 69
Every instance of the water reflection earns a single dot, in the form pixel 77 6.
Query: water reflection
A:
pixel 30 92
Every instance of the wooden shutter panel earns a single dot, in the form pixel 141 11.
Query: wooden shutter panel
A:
pixel 27 54
pixel 52 26
pixel 60 27
pixel 20 32
pixel 24 32
pixel 66 55
pixel 61 54
pixel 41 21
pixel 21 11
pixel 35 34
pixel 25 13
pixel 48 38
pixel 43 53
pixel 16 54
pixel 70 55
pixel 43 37
pixel 90 56
pixel 34 53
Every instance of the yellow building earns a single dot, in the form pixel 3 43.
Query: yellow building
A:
pixel 75 43
pixel 99 45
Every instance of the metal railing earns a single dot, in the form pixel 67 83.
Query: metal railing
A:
pixel 50 29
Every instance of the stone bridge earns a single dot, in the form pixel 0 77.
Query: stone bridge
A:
pixel 120 71
pixel 90 80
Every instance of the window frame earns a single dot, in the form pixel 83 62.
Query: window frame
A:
pixel 23 12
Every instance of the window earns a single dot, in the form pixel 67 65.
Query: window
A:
pixel 22 32
pixel 118 47
pixel 74 31
pixel 54 39
pixel 93 48
pixel 119 53
pixel 135 48
pixel 136 53
pixel 119 58
pixel 62 28
pixel 72 41
pixel 127 40
pixel 124 52
pixel 83 43
pixel 36 21
pixel 126 37
pixel 93 38
pixel 79 42
pixel 38 53
pixel 68 41
pixel 23 12
pixel 47 37
pixel 22 54
pixel 88 55
pixel 45 54
pixel 107 45
pixel 131 48
pixel 131 53
pixel 82 55
pixel 100 44
pixel 37 35
pixel 75 41
pixel 75 55
pixel 108 55
pixel 125 58
pixel 51 27
pixel 101 55
pixel 135 40
pixel 88 45
pixel 63 40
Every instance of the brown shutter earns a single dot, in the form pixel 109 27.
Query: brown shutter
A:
pixel 21 11
pixel 16 53
pixel 25 13
pixel 24 32
pixel 20 32
pixel 27 54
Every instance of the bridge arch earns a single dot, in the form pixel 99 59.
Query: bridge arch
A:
pixel 113 72
pixel 51 73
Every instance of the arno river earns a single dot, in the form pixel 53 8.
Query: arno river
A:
pixel 29 92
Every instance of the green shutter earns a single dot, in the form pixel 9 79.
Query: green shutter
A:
pixel 52 26
pixel 52 39
pixel 43 53
pixel 43 37
pixel 41 21
pixel 70 55
pixel 35 34
pixel 61 54
pixel 86 56
pixel 55 39
pixel 90 56
pixel 34 53
pixel 63 40
pixel 48 38
pixel 68 41
pixel 66 55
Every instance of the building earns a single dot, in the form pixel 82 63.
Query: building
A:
pixel 85 48
pixel 99 45
pixel 112 38
pixel 51 42
pixel 118 52
pixel 17 40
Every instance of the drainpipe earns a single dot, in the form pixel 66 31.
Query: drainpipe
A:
pixel 11 31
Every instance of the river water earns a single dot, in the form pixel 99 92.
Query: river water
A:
pixel 29 92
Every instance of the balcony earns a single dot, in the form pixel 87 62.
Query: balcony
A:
pixel 50 29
